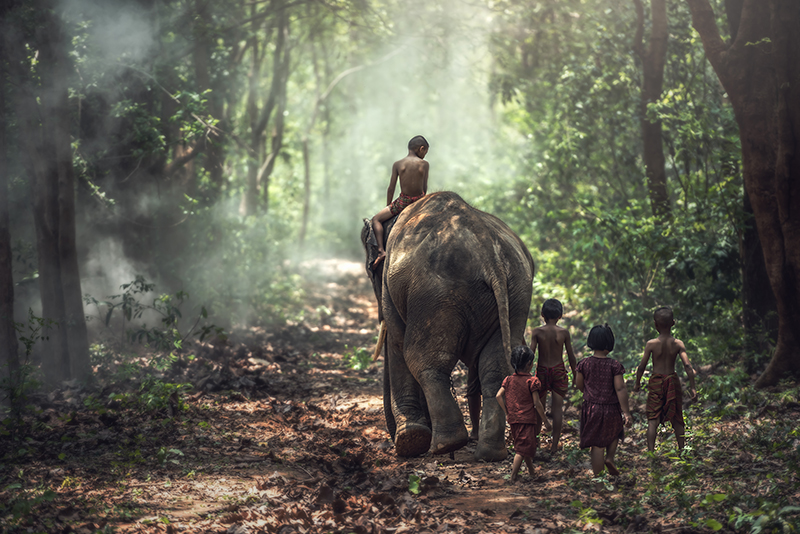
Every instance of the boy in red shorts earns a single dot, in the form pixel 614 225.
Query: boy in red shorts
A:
pixel 664 396
pixel 412 171
pixel 552 340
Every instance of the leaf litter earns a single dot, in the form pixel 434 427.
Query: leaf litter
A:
pixel 280 435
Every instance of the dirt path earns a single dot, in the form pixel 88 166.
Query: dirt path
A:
pixel 280 434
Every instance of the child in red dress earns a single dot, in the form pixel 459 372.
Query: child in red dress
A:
pixel 604 397
pixel 519 398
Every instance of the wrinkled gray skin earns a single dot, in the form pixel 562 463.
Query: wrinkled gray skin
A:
pixel 456 285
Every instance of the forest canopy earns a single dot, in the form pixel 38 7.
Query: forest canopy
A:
pixel 200 148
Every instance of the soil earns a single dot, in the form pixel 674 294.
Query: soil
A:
pixel 279 433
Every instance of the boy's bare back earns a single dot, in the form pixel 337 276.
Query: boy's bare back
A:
pixel 551 340
pixel 412 171
pixel 664 350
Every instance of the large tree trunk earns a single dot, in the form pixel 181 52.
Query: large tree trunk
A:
pixel 759 72
pixel 653 58
pixel 54 49
pixel 760 316
pixel 44 118
pixel 9 358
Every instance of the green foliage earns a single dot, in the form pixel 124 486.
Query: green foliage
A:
pixel 166 338
pixel 165 455
pixel 768 518
pixel 414 483
pixel 154 395
pixel 572 89
pixel 18 383
pixel 23 502
pixel 586 515
pixel 357 358
pixel 144 131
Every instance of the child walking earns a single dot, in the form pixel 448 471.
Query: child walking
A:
pixel 664 396
pixel 604 397
pixel 552 341
pixel 519 399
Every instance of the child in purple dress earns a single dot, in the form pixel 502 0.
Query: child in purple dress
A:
pixel 519 399
pixel 604 397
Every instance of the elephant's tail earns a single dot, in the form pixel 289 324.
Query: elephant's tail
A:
pixel 500 290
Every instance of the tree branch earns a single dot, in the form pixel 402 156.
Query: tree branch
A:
pixel 704 21
pixel 638 44
pixel 177 163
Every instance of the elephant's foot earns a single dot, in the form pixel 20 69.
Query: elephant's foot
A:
pixel 451 442
pixel 489 453
pixel 412 439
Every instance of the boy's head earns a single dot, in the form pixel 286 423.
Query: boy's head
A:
pixel 552 309
pixel 521 358
pixel 418 142
pixel 664 318
pixel 601 338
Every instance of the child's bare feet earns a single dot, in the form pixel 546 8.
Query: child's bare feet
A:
pixel 379 259
pixel 612 469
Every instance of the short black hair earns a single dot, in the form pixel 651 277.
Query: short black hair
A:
pixel 601 338
pixel 552 309
pixel 417 141
pixel 520 357
pixel 663 316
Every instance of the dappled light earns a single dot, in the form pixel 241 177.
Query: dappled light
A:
pixel 201 332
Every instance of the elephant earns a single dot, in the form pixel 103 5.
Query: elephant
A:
pixel 456 284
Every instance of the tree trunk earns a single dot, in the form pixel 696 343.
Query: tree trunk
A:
pixel 44 194
pixel 306 191
pixel 214 148
pixel 44 119
pixel 653 61
pixel 250 199
pixel 760 316
pixel 9 357
pixel 280 81
pixel 759 72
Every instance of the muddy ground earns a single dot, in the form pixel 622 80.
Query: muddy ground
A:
pixel 279 433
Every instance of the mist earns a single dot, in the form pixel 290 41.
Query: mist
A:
pixel 410 71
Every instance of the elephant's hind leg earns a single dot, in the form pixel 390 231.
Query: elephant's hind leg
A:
pixel 412 439
pixel 449 431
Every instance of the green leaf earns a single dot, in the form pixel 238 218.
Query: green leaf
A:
pixel 413 484
pixel 713 524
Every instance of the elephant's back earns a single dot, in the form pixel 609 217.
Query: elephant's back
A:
pixel 441 234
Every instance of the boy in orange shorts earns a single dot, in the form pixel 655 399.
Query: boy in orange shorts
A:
pixel 551 372
pixel 664 396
